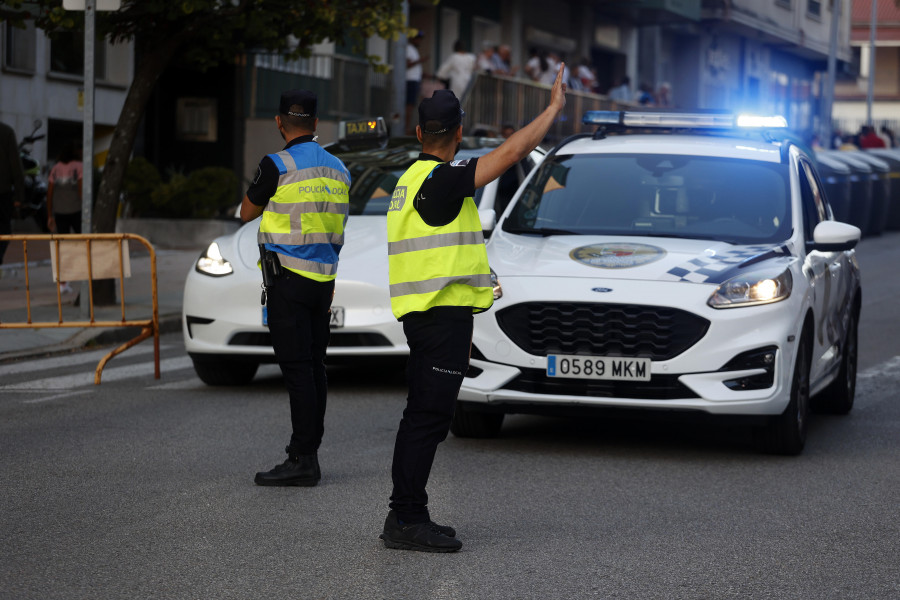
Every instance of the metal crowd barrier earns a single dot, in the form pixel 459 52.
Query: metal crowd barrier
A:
pixel 148 326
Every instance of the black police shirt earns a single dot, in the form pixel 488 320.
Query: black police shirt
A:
pixel 265 183
pixel 441 196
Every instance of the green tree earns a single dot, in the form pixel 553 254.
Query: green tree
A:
pixel 203 33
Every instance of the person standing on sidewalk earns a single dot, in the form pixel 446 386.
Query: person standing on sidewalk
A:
pixel 12 181
pixel 302 194
pixel 64 192
pixel 439 278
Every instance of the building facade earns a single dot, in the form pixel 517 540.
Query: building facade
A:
pixel 851 107
pixel 43 79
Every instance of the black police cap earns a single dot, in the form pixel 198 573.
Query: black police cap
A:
pixel 443 107
pixel 304 98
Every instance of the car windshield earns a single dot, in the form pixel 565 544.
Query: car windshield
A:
pixel 697 197
pixel 375 175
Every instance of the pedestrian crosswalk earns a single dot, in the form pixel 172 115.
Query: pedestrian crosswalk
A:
pixel 67 373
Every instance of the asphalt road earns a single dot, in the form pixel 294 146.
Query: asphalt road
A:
pixel 144 488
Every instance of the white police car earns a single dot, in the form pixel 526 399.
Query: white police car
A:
pixel 223 322
pixel 669 261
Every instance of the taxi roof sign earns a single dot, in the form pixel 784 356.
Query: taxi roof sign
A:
pixel 362 133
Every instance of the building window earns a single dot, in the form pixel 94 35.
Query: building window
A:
pixel 19 47
pixel 196 120
pixel 67 55
pixel 814 8
pixel 783 3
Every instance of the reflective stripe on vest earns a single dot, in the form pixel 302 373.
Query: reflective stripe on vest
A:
pixel 304 221
pixel 434 266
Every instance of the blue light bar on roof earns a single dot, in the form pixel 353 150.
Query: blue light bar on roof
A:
pixel 689 120
pixel 763 122
pixel 682 120
pixel 603 117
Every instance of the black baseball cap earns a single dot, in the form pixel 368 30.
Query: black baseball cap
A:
pixel 304 98
pixel 443 107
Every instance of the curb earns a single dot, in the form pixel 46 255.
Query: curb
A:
pixel 91 338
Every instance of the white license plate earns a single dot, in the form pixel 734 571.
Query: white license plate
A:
pixel 337 317
pixel 598 367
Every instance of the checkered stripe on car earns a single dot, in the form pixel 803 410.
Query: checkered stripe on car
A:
pixel 721 267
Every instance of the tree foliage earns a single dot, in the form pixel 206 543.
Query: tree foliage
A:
pixel 204 33
pixel 209 32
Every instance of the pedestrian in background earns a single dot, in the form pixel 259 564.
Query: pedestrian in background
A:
pixel 868 138
pixel 622 92
pixel 414 73
pixel 485 60
pixel 888 136
pixel 64 191
pixel 302 194
pixel 439 278
pixel 12 181
pixel 458 69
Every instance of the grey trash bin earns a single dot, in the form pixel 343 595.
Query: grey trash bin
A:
pixel 892 157
pixel 881 191
pixel 860 186
pixel 835 175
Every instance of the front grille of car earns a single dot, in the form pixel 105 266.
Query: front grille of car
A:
pixel 660 387
pixel 338 339
pixel 594 329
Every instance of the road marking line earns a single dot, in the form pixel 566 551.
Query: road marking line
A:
pixel 889 368
pixel 55 397
pixel 67 382
pixel 75 358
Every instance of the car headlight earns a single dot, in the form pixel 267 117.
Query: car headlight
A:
pixel 495 283
pixel 212 263
pixel 750 289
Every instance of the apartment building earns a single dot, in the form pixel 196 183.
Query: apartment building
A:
pixel 851 106
pixel 43 79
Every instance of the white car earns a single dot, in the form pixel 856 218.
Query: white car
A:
pixel 674 262
pixel 223 321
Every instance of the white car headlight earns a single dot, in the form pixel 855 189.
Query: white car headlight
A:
pixel 212 263
pixel 753 288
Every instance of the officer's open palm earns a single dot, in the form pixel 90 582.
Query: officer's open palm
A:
pixel 558 93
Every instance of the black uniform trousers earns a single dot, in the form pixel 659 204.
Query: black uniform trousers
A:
pixel 440 341
pixel 298 316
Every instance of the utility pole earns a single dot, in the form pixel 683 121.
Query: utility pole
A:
pixel 825 127
pixel 869 96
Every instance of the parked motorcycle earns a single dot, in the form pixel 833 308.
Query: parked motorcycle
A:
pixel 35 205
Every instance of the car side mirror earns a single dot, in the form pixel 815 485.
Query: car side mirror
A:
pixel 488 220
pixel 834 236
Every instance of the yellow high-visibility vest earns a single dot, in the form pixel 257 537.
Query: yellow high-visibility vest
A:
pixel 434 266
pixel 304 221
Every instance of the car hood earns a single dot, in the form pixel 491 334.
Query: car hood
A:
pixel 634 258
pixel 363 257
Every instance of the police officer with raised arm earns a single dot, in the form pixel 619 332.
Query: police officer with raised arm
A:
pixel 439 278
pixel 302 194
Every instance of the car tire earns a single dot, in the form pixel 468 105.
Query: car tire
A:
pixel 224 372
pixel 837 398
pixel 786 433
pixel 469 422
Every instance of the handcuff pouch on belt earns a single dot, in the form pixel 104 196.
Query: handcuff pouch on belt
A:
pixel 271 268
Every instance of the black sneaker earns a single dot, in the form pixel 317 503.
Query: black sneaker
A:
pixel 445 529
pixel 301 470
pixel 423 537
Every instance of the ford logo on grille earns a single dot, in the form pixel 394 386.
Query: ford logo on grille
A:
pixel 602 290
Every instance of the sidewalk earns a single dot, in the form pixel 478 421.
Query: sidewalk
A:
pixel 172 266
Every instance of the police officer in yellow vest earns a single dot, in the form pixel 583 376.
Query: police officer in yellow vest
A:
pixel 439 277
pixel 302 194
